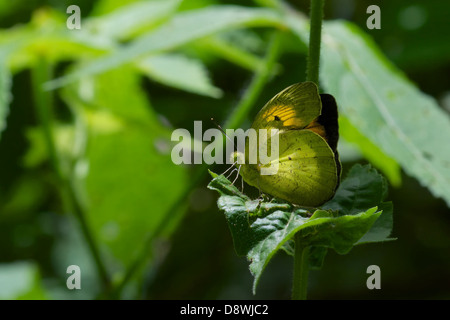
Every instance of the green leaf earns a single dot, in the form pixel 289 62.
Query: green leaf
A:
pixel 20 280
pixel 129 184
pixel 47 36
pixel 260 229
pixel 185 27
pixel 362 188
pixel 231 52
pixel 5 93
pixel 129 19
pixel 370 151
pixel 382 228
pixel 180 72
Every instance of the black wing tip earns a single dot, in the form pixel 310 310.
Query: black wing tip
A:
pixel 329 119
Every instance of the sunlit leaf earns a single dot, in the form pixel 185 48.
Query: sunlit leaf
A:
pixel 48 37
pixel 185 27
pixel 129 19
pixel 20 280
pixel 370 151
pixel 228 51
pixel 130 171
pixel 243 47
pixel 179 72
pixel 5 96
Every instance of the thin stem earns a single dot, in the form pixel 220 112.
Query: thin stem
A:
pixel 239 114
pixel 145 252
pixel 301 270
pixel 44 103
pixel 79 211
pixel 301 255
pixel 316 15
pixel 41 73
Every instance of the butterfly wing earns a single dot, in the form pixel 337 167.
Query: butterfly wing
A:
pixel 326 125
pixel 293 108
pixel 308 167
pixel 306 170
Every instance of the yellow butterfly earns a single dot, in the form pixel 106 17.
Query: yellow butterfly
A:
pixel 308 166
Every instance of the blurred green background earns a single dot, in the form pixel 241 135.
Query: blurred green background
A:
pixel 112 136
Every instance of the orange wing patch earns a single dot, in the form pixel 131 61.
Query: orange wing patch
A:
pixel 285 114
pixel 316 127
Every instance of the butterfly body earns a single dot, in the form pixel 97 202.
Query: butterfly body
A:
pixel 307 167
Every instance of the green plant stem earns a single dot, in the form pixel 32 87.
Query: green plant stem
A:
pixel 315 34
pixel 301 256
pixel 145 252
pixel 238 116
pixel 301 270
pixel 44 104
pixel 41 73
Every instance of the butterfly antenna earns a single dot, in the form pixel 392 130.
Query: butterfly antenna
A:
pixel 224 133
pixel 221 130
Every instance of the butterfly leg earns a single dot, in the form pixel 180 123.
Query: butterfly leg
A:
pixel 237 170
pixel 261 196
pixel 231 172
pixel 237 176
